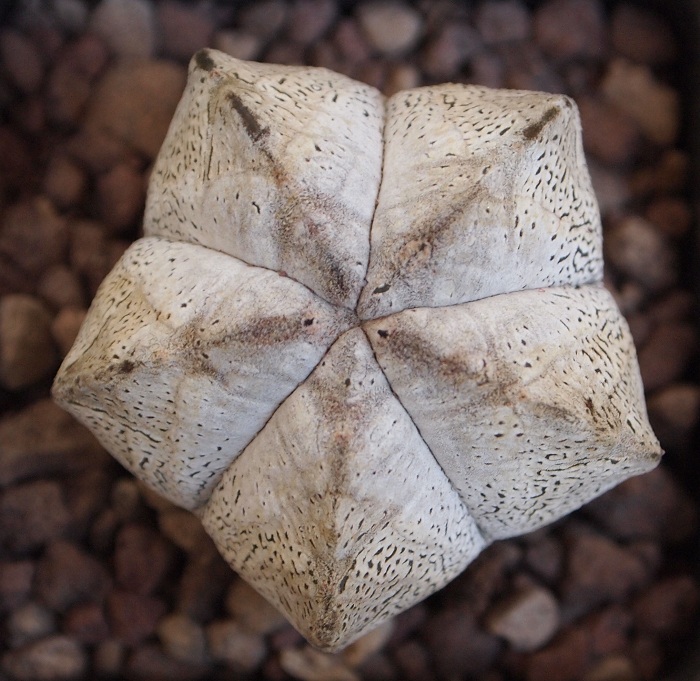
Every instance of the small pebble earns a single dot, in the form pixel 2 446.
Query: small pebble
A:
pixel 658 366
pixel 458 646
pixel 133 617
pixel 232 645
pixel 401 77
pixel 203 584
pixel 65 327
pixel 674 413
pixel 502 21
pixel 61 445
pixel 487 69
pixel 71 15
pixel 449 49
pixel 33 237
pixel 16 579
pixel 308 664
pixel 413 661
pixel 654 106
pixel 67 575
pixel 544 555
pixel 70 79
pixel 570 29
pixel 238 44
pixel 612 668
pixel 527 619
pixel 87 623
pixel 183 639
pixel 671 215
pixel 184 28
pixel 125 499
pixel 27 351
pixel 487 576
pixel 90 252
pixel 142 558
pixel 64 182
pixel 364 647
pixel 249 608
pixel 17 169
pixel 598 571
pixel 285 52
pixel 310 19
pixel 641 35
pixel 126 26
pixel 184 530
pixel 608 134
pixel 150 662
pixel 609 630
pixel 612 189
pixel 264 19
pixel 108 658
pixel 134 102
pixel 121 197
pixel 562 660
pixel 650 506
pixel 639 250
pixel 391 28
pixel 28 623
pixel 56 658
pixel 21 61
pixel 350 41
pixel 667 607
pixel 526 69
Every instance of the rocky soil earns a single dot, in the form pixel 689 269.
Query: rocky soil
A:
pixel 101 579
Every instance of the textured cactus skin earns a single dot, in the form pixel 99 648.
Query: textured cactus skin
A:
pixel 362 339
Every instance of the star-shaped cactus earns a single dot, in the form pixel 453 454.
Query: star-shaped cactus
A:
pixel 362 339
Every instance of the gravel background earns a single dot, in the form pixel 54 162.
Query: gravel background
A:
pixel 101 579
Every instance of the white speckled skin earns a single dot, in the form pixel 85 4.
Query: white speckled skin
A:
pixel 186 354
pixel 355 415
pixel 350 515
pixel 475 178
pixel 276 165
pixel 495 388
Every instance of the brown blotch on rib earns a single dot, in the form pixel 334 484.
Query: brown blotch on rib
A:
pixel 126 367
pixel 204 61
pixel 534 129
pixel 252 127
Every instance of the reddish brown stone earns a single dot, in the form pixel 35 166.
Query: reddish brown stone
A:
pixel 133 617
pixel 458 647
pixel 647 506
pixel 641 35
pixel 203 584
pixel 31 515
pixel 544 555
pixel 608 134
pixel 566 29
pixel 150 663
pixel 667 607
pixel 142 558
pixel 413 662
pixel 598 571
pixel 563 660
pixel 609 630
pixel 15 583
pixel 485 577
pixel 42 439
pixel 660 367
pixel 86 623
pixel 67 575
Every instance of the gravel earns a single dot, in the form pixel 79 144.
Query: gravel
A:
pixel 101 579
